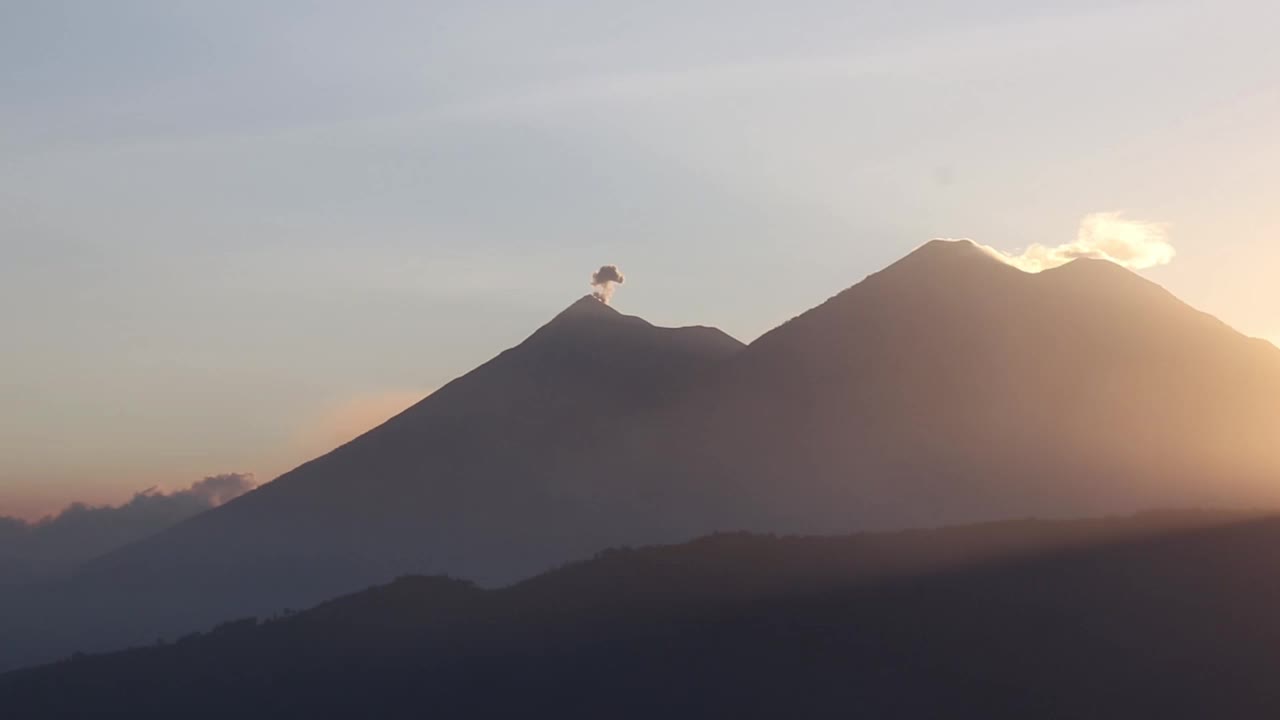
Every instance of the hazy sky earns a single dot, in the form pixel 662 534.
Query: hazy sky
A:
pixel 234 233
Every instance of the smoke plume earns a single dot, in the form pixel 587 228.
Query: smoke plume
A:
pixel 605 281
pixel 1134 244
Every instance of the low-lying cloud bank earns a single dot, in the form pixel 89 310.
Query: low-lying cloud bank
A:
pixel 1135 244
pixel 31 551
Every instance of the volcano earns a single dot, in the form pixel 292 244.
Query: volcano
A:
pixel 950 387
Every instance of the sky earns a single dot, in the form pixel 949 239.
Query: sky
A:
pixel 235 234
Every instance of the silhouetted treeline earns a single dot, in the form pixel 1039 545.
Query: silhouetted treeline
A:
pixel 1164 615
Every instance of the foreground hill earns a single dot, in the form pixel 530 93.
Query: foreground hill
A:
pixel 1168 615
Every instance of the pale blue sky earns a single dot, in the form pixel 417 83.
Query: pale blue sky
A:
pixel 224 225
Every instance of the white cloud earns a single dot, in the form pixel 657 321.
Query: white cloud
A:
pixel 1134 244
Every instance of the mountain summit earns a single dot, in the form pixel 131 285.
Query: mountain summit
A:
pixel 949 387
pixel 590 306
pixel 471 480
pixel 461 474
pixel 952 386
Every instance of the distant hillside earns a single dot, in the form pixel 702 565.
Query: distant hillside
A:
pixel 1160 615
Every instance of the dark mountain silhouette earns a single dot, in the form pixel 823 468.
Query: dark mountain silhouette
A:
pixel 1158 615
pixel 459 480
pixel 953 387
pixel 949 387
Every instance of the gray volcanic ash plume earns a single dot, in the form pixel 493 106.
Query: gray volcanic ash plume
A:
pixel 605 281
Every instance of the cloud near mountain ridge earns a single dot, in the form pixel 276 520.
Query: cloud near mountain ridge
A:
pixel 1134 244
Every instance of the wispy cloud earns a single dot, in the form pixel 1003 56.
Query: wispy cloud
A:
pixel 1135 244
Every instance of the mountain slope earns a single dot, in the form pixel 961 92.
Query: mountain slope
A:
pixel 949 387
pixel 458 481
pixel 952 387
pixel 463 463
pixel 1150 616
